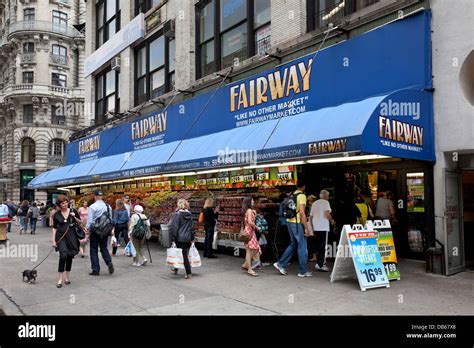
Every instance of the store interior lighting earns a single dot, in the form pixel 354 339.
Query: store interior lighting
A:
pixel 282 164
pixel 334 10
pixel 414 175
pixel 347 159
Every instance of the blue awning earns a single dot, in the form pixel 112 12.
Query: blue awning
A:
pixel 397 125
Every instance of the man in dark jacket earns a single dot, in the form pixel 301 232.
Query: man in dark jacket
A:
pixel 181 232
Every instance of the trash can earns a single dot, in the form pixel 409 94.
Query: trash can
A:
pixel 165 236
pixel 435 260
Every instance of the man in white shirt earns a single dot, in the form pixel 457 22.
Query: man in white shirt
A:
pixel 320 217
pixel 4 211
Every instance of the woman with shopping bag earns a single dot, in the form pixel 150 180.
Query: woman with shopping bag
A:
pixel 182 234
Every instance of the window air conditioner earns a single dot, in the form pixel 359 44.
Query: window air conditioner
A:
pixel 115 64
pixel 169 28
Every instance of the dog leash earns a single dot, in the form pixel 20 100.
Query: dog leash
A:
pixel 53 248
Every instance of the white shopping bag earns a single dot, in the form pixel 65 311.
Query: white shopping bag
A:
pixel 130 250
pixel 216 235
pixel 193 256
pixel 174 257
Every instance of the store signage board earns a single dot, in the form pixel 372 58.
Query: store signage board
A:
pixel 386 247
pixel 236 105
pixel 358 250
pixel 132 32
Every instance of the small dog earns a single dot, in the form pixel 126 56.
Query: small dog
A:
pixel 29 276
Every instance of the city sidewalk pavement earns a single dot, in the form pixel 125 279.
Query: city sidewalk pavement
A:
pixel 218 287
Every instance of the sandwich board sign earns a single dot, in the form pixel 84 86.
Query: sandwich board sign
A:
pixel 358 250
pixel 386 247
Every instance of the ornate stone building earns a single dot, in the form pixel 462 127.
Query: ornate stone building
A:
pixel 41 89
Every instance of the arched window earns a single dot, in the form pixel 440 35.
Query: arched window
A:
pixel 28 150
pixel 57 148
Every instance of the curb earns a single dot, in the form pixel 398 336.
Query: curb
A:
pixel 7 305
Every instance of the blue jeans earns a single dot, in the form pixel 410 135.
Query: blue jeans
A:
pixel 298 241
pixel 24 223
pixel 96 243
pixel 33 224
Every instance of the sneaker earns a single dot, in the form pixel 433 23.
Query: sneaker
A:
pixel 321 269
pixel 279 268
pixel 307 274
pixel 93 273
pixel 144 262
pixel 111 268
pixel 136 264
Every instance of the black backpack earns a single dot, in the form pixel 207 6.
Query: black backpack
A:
pixel 290 208
pixel 139 230
pixel 104 224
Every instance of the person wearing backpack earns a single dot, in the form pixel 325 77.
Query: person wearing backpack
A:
pixel 22 214
pixel 138 232
pixel 294 210
pixel 33 214
pixel 100 226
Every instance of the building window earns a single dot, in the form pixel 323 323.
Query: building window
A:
pixel 28 77
pixel 28 113
pixel 142 6
pixel 59 18
pixel 155 68
pixel 58 80
pixel 107 94
pixel 28 47
pixel 59 50
pixel 108 20
pixel 230 31
pixel 29 14
pixel 57 115
pixel 59 55
pixel 322 12
pixel 27 150
pixel 57 148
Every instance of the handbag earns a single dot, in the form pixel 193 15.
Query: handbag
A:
pixel 244 237
pixel 174 257
pixel 194 257
pixel 80 234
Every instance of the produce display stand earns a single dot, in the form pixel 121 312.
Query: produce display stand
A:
pixel 160 197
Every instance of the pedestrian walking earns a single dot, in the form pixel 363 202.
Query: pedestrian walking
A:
pixel 298 229
pixel 126 203
pixel 100 227
pixel 64 238
pixel 83 214
pixel 320 217
pixel 137 242
pixel 210 217
pixel 182 234
pixel 22 214
pixel 252 247
pixel 121 220
pixel 33 214
pixel 311 240
pixel 364 208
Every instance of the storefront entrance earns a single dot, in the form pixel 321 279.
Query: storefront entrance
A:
pixel 408 181
pixel 468 221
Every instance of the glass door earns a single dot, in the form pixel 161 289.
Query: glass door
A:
pixel 454 223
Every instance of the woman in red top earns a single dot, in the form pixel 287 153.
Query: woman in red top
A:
pixel 252 247
pixel 83 213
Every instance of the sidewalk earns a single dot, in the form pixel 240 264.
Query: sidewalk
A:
pixel 218 287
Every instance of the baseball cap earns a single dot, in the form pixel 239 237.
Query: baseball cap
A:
pixel 98 193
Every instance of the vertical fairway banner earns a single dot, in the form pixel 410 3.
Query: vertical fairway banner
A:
pixel 386 247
